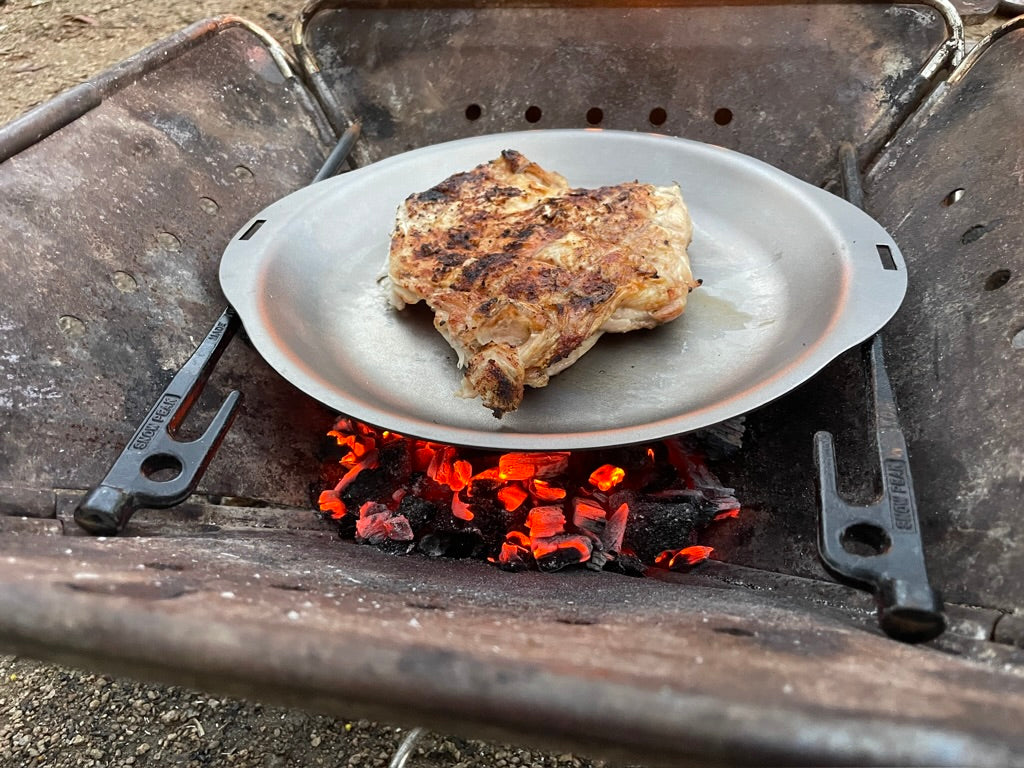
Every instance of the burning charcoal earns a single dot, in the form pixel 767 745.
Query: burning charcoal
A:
pixel 592 516
pixel 391 473
pixel 381 526
pixel 655 525
pixel 371 529
pixel 615 530
pixel 557 552
pixel 515 552
pixel 684 559
pixel 525 466
pixel 545 522
pixel 418 511
pixel 512 497
pixel 552 509
pixel 606 477
pixel 588 515
pixel 387 531
pixel 542 490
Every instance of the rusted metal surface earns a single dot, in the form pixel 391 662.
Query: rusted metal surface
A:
pixel 690 669
pixel 113 229
pixel 784 83
pixel 976 11
pixel 951 189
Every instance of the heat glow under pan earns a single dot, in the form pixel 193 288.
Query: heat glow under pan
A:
pixel 793 276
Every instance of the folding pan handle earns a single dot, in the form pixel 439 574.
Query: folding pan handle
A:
pixel 155 469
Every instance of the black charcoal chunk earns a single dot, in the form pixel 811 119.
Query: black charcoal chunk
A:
pixel 458 544
pixel 419 512
pixel 655 526
pixel 627 565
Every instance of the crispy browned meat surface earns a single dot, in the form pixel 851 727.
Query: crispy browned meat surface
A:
pixel 524 273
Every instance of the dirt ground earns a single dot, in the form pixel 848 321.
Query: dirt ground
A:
pixel 47 46
pixel 57 717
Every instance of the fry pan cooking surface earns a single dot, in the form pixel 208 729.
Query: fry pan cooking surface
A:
pixel 793 276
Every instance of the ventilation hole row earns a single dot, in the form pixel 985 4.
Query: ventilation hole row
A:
pixel 595 115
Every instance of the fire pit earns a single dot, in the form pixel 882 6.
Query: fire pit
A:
pixel 120 196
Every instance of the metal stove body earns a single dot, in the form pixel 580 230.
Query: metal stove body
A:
pixel 119 197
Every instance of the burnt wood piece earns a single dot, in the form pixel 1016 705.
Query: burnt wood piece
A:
pixel 782 82
pixel 113 228
pixel 950 189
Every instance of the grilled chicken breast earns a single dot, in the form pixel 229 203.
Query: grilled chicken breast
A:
pixel 524 273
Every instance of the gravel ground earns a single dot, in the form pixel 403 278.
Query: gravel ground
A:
pixel 46 46
pixel 59 717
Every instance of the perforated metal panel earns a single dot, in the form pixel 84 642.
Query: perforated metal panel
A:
pixel 784 83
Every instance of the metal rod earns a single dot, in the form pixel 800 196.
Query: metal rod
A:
pixel 340 152
pixel 405 749
pixel 849 174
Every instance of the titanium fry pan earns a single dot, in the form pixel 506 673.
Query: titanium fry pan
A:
pixel 793 276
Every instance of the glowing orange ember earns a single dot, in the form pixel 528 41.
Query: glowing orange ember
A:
pixel 542 491
pixel 607 477
pixel 524 466
pixel 445 469
pixel 687 556
pixel 460 509
pixel 545 522
pixel 512 497
pixel 541 510
pixel 330 502
pixel 515 551
pixel 578 545
pixel 586 513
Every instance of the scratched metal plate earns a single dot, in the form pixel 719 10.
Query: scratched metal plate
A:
pixel 792 278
